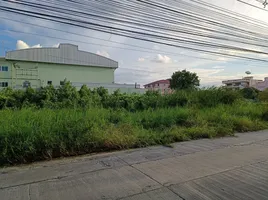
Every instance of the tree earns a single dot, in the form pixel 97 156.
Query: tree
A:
pixel 184 80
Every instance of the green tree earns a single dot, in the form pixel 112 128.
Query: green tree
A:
pixel 184 80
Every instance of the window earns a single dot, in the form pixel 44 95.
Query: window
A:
pixel 4 68
pixel 26 84
pixel 49 82
pixel 4 84
pixel 62 82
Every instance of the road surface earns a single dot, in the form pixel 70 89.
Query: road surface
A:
pixel 227 168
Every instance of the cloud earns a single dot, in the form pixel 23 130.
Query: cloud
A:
pixel 56 45
pixel 218 67
pixel 36 46
pixel 156 47
pixel 103 53
pixel 141 59
pixel 162 59
pixel 23 45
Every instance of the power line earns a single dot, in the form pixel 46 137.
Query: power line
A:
pixel 167 53
pixel 155 38
pixel 169 44
pixel 263 9
pixel 84 42
pixel 136 46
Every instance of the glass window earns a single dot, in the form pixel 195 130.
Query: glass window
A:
pixel 4 84
pixel 49 82
pixel 4 68
pixel 26 84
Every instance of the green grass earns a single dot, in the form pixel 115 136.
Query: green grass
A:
pixel 29 135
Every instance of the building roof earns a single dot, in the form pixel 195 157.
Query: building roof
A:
pixel 244 79
pixel 158 82
pixel 64 54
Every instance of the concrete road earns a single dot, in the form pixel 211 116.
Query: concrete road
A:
pixel 228 168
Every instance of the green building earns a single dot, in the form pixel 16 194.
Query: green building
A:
pixel 39 67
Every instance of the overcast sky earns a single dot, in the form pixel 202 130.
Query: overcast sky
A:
pixel 136 66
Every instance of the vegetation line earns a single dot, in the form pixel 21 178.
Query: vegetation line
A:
pixel 48 123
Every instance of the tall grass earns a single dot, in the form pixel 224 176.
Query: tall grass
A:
pixel 48 123
pixel 31 134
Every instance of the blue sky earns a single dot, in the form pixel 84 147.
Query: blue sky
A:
pixel 134 66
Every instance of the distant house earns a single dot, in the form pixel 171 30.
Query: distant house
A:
pixel 247 82
pixel 162 86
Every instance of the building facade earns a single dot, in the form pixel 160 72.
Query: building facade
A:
pixel 39 67
pixel 162 86
pixel 262 85
pixel 247 82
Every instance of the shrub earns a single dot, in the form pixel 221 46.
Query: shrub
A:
pixel 263 96
pixel 250 93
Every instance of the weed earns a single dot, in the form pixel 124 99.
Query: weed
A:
pixel 49 123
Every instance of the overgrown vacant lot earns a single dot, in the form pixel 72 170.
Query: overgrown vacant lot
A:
pixel 65 122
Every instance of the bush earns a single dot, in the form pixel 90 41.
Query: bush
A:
pixel 263 96
pixel 250 93
pixel 264 115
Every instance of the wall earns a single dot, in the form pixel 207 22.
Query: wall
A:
pixel 124 88
pixel 40 73
pixel 163 88
pixel 57 73
pixel 5 76
pixel 262 85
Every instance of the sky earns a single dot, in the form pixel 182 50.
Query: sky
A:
pixel 144 65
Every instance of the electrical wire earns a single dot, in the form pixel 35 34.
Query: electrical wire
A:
pixel 148 32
